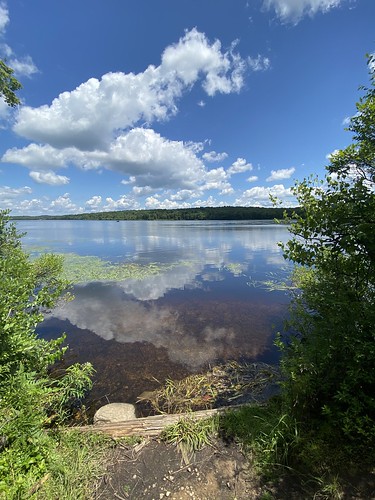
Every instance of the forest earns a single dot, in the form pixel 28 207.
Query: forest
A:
pixel 202 213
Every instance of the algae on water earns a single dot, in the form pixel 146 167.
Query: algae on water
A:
pixel 80 269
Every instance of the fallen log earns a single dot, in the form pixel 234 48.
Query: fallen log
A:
pixel 149 426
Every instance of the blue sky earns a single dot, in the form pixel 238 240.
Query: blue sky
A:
pixel 130 104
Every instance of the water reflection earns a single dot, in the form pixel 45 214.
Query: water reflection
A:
pixel 195 331
pixel 198 312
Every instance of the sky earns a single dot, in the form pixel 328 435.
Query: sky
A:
pixel 148 104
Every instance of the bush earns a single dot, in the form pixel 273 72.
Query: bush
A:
pixel 30 400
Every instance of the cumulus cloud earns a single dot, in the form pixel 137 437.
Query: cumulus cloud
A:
pixel 212 156
pixel 106 124
pixel 45 157
pixel 49 178
pixel 252 178
pixel 94 202
pixel 9 197
pixel 64 204
pixel 154 202
pixel 89 116
pixel 142 190
pixel 239 166
pixel 259 196
pixel 184 195
pixel 123 203
pixel 97 125
pixel 148 159
pixel 283 173
pixel 294 10
pixel 154 161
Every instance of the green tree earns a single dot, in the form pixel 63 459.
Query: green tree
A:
pixel 8 85
pixel 329 363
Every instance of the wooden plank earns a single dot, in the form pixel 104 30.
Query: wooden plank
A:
pixel 148 426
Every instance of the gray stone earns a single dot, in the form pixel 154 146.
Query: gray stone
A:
pixel 114 412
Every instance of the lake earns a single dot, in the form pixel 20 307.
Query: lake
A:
pixel 194 297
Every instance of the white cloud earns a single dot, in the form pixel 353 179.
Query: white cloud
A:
pixel 131 180
pixel 64 204
pixel 155 161
pixel 239 166
pixel 4 18
pixel 294 10
pixel 216 178
pixel 39 157
pixel 283 173
pixel 88 117
pixel 4 109
pixel 31 206
pixel 155 202
pixel 184 195
pixel 227 190
pixel 8 192
pixel 22 67
pixel 259 196
pixel 193 55
pixel 123 203
pixel 252 178
pixel 142 191
pixel 212 156
pixel 49 178
pixel 9 197
pixel 142 154
pixel 329 156
pixel 94 202
pixel 259 63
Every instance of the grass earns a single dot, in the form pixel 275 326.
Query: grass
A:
pixel 262 431
pixel 75 465
pixel 62 464
pixel 191 435
pixel 314 457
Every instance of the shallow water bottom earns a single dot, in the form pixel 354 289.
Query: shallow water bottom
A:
pixel 191 336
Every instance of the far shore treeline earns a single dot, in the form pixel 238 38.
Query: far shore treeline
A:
pixel 203 213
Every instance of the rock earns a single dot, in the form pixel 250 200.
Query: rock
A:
pixel 114 412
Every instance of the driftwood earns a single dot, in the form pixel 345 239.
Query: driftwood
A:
pixel 148 426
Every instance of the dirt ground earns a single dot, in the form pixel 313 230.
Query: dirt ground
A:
pixel 154 470
pixel 157 470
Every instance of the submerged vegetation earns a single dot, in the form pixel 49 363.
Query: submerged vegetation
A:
pixel 222 385
pixel 79 269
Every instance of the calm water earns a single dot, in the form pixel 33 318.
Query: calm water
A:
pixel 207 308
